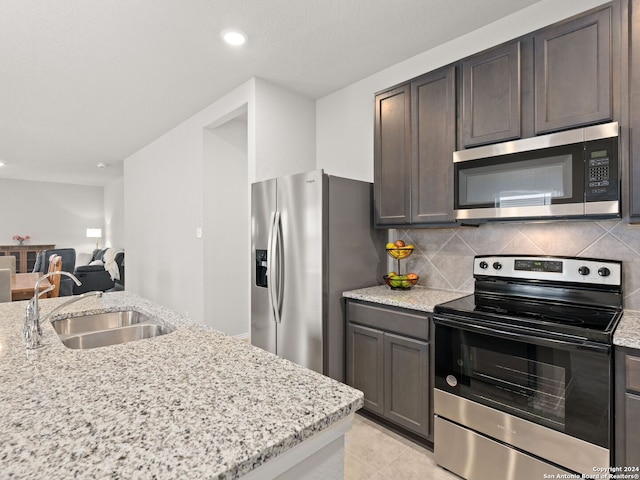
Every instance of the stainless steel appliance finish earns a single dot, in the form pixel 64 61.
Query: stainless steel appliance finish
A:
pixel 580 135
pixel 312 238
pixel 568 270
pixel 523 367
pixel 575 454
pixel 476 457
pixel 567 174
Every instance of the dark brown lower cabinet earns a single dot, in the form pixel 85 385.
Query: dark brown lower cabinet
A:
pixel 627 408
pixel 388 359
pixel 406 385
pixel 365 365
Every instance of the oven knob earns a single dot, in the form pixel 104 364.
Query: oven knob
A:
pixel 452 381
pixel 604 272
pixel 583 270
pixel 483 265
pixel 497 265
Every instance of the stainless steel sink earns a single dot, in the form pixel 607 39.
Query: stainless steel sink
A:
pixel 103 329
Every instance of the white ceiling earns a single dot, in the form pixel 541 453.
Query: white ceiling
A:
pixel 84 82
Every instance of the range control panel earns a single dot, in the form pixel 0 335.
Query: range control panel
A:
pixel 549 268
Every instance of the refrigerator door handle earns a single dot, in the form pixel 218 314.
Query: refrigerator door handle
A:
pixel 271 272
pixel 273 266
pixel 279 261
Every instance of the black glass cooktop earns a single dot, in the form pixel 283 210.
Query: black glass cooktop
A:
pixel 521 314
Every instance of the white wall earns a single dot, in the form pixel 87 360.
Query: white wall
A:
pixel 114 214
pixel 165 202
pixel 285 139
pixel 345 118
pixel 226 230
pixel 163 189
pixel 50 213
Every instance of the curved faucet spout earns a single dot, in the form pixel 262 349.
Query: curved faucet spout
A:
pixel 71 300
pixel 32 331
pixel 50 274
pixel 36 288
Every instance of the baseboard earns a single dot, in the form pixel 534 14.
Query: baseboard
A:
pixel 242 336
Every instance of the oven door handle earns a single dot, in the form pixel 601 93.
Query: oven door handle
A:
pixel 569 343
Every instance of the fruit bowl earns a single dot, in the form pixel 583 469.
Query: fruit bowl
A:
pixel 401 282
pixel 400 252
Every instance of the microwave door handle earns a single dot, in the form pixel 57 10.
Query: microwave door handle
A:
pixel 577 343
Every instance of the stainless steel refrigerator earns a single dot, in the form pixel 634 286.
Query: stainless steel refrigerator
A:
pixel 312 239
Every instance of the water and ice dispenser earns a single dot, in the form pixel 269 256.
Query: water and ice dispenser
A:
pixel 261 268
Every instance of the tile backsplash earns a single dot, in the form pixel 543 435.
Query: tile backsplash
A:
pixel 443 257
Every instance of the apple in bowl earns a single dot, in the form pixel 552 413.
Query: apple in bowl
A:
pixel 401 282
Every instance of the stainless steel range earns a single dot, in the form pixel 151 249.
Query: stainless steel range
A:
pixel 523 368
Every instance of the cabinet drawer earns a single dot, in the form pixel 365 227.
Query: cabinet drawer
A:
pixel 398 320
pixel 632 365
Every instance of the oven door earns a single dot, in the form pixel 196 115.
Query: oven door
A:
pixel 563 386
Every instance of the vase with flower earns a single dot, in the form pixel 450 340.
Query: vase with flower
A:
pixel 20 239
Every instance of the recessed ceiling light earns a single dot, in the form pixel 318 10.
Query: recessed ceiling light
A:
pixel 102 165
pixel 1 164
pixel 233 37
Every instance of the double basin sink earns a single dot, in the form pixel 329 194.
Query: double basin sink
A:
pixel 104 329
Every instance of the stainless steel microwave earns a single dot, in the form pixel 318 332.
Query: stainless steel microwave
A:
pixel 568 174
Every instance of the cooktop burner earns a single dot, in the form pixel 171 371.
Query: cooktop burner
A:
pixel 585 323
pixel 563 296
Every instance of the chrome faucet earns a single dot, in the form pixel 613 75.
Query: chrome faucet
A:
pixel 32 331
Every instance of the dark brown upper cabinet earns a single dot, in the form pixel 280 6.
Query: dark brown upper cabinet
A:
pixel 564 76
pixel 491 96
pixel 573 73
pixel 433 123
pixel 392 157
pixel 414 141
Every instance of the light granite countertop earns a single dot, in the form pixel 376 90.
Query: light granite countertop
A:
pixel 628 332
pixel 194 403
pixel 418 298
pixel 425 299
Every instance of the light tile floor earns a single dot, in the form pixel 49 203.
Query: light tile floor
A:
pixel 373 452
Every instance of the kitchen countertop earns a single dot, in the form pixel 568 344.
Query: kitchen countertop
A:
pixel 194 403
pixel 424 299
pixel 628 332
pixel 418 298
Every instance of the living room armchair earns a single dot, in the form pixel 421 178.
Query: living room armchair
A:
pixel 95 276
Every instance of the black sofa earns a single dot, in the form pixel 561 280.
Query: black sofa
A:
pixel 95 277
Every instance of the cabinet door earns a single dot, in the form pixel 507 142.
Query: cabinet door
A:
pixel 21 266
pixel 433 108
pixel 573 73
pixel 632 441
pixel 365 356
pixel 634 113
pixel 406 383
pixel 392 157
pixel 491 96
pixel 30 257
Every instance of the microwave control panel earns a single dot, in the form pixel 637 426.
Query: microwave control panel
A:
pixel 601 157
